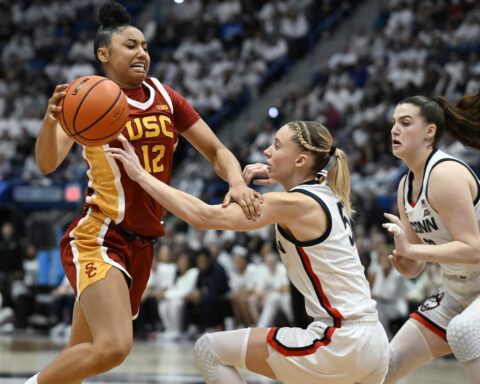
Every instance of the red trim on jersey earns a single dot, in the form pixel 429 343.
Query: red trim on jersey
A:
pixel 297 351
pixel 432 327
pixel 337 316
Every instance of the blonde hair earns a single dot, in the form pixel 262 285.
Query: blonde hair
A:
pixel 315 138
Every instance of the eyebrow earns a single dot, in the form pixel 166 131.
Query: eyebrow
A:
pixel 136 41
pixel 403 117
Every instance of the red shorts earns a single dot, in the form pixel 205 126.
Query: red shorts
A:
pixel 92 245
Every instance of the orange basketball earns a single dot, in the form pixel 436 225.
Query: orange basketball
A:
pixel 94 110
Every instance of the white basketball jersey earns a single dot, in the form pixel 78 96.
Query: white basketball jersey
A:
pixel 327 270
pixel 462 279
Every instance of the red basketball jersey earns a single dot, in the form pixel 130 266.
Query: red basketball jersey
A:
pixel 157 114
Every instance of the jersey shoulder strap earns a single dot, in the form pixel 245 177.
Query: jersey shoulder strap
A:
pixel 163 91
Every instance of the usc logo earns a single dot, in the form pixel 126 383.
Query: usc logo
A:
pixel 150 127
pixel 90 270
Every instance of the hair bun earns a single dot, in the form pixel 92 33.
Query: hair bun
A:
pixel 113 15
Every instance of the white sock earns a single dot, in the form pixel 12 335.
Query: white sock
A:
pixel 32 380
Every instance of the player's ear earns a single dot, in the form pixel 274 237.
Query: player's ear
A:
pixel 430 131
pixel 103 54
pixel 301 160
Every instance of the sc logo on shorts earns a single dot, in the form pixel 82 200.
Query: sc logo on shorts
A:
pixel 90 270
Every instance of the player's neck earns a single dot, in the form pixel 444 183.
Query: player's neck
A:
pixel 417 163
pixel 296 180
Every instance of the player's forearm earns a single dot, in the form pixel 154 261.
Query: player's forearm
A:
pixel 186 207
pixel 227 167
pixel 452 252
pixel 51 146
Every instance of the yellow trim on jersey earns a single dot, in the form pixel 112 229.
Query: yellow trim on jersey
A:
pixel 104 179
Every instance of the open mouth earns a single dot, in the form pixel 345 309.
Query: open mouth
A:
pixel 395 142
pixel 138 67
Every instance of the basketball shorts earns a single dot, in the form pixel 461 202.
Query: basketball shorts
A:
pixel 357 352
pixel 92 245
pixel 437 311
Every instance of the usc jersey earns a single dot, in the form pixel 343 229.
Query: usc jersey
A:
pixel 157 114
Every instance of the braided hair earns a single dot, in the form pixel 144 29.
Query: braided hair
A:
pixel 315 138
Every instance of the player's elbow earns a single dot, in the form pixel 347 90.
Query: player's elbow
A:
pixel 476 253
pixel 44 168
pixel 201 221
pixel 206 218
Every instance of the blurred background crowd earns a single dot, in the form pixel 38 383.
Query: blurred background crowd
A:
pixel 224 56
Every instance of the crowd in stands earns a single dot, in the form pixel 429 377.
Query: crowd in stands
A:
pixel 217 279
pixel 219 54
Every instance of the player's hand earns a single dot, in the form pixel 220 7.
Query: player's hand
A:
pixel 248 199
pixel 406 267
pixel 252 170
pixel 128 157
pixel 402 246
pixel 53 108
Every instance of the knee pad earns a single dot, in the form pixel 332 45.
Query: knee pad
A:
pixel 463 336
pixel 206 359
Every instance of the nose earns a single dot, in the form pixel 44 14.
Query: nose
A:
pixel 268 152
pixel 394 130
pixel 142 52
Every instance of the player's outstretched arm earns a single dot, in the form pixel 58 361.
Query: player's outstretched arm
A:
pixel 277 206
pixel 52 145
pixel 226 166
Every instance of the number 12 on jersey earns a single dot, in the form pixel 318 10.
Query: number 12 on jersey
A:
pixel 152 157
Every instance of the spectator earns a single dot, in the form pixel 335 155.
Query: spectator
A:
pixel 242 281
pixel 389 290
pixel 11 267
pixel 205 304
pixel 272 294
pixel 172 299
pixel 63 300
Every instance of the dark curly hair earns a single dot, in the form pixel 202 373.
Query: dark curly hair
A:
pixel 113 17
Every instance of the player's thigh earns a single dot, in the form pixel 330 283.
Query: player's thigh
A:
pixel 80 330
pixel 438 345
pixel 257 353
pixel 106 308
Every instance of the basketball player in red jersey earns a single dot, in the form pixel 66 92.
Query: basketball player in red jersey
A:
pixel 121 222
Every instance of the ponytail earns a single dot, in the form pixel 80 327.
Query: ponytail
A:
pixel 315 138
pixel 339 180
pixel 462 120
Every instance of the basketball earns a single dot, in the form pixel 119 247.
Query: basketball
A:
pixel 94 110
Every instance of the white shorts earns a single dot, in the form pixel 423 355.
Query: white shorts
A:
pixel 437 311
pixel 357 352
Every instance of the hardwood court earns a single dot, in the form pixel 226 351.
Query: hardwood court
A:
pixel 153 362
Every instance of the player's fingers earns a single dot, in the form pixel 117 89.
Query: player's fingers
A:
pixel 227 200
pixel 394 219
pixel 259 196
pixel 263 182
pixel 255 206
pixel 247 175
pixel 246 209
pixel 125 144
